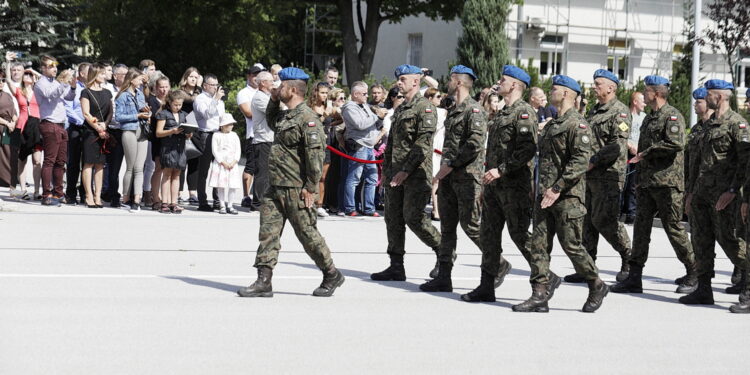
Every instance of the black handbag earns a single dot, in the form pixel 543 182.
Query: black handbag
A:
pixel 145 124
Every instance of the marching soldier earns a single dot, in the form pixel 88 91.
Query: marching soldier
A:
pixel 610 126
pixel 564 153
pixel 661 182
pixel 295 164
pixel 407 172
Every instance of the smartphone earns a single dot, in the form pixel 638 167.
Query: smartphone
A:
pixel 20 55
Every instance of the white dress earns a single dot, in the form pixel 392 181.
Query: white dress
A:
pixel 225 147
pixel 437 141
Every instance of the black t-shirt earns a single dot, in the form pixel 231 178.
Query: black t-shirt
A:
pixel 100 103
pixel 170 121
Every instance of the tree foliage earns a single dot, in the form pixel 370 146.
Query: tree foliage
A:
pixel 730 34
pixel 483 46
pixel 37 27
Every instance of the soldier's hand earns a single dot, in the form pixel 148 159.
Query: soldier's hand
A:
pixel 444 171
pixel 275 93
pixel 549 198
pixel 743 212
pixel 491 175
pixel 636 158
pixel 399 179
pixel 724 200
pixel 688 199
pixel 308 197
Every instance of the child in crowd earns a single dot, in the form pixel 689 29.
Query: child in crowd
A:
pixel 172 156
pixel 224 174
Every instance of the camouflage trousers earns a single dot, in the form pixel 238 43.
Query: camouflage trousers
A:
pixel 501 205
pixel 405 206
pixel 564 218
pixel 667 202
pixel 713 226
pixel 279 205
pixel 458 201
pixel 603 212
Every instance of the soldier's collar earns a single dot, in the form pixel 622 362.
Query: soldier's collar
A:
pixel 413 101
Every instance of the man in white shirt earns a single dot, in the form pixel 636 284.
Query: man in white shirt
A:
pixel 244 101
pixel 208 108
pixel 262 139
pixel 637 105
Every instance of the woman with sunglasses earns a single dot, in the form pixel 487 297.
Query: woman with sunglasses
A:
pixel 320 104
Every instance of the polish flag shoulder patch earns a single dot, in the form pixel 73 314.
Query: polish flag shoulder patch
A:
pixel 311 123
pixel 524 116
pixel 742 126
pixel 582 126
pixel 623 115
pixel 428 110
pixel 672 118
pixel 475 110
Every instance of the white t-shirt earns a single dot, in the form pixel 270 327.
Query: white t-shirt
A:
pixel 246 96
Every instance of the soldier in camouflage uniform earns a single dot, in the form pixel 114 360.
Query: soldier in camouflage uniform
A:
pixel 407 172
pixel 295 165
pixel 507 192
pixel 459 175
pixel 692 154
pixel 564 152
pixel 610 125
pixel 661 182
pixel 744 306
pixel 718 178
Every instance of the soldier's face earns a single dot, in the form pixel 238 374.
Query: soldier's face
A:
pixel 602 88
pixel 713 99
pixel 700 107
pixel 453 85
pixel 285 93
pixel 556 95
pixel 504 85
pixel 408 82
pixel 649 95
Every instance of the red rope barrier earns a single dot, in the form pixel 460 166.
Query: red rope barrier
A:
pixel 437 151
pixel 343 155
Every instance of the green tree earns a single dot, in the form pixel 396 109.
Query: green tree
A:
pixel 483 46
pixel 37 27
pixel 730 34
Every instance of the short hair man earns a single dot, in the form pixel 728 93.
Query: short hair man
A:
pixel 244 101
pixel 564 153
pixel 360 136
pixel 208 108
pixel 661 183
pixel 263 136
pixel 51 93
pixel 407 172
pixel 538 101
pixel 75 138
pixel 637 105
pixel 332 76
pixel 147 66
pixel 378 94
pixel 296 165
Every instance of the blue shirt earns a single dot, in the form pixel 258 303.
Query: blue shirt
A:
pixel 73 107
pixel 51 95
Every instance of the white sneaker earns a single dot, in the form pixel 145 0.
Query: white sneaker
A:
pixel 135 208
pixel 340 213
pixel 322 212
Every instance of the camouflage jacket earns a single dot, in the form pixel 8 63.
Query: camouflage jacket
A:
pixel 723 155
pixel 511 145
pixel 692 154
pixel 409 146
pixel 610 126
pixel 564 152
pixel 298 149
pixel 661 147
pixel 463 145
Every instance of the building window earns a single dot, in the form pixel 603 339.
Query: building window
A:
pixel 617 57
pixel 550 63
pixel 414 53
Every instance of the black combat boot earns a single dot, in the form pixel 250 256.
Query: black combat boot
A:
pixel 332 279
pixel 505 268
pixel 485 292
pixel 744 306
pixel 689 282
pixel 739 285
pixel 540 295
pixel 442 283
pixel 574 278
pixel 395 272
pixel 688 269
pixel 624 267
pixel 703 295
pixel 736 275
pixel 436 269
pixel 261 287
pixel 632 284
pixel 597 291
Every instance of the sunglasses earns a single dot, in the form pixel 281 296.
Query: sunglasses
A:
pixel 400 97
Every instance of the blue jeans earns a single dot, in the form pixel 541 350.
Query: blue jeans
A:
pixel 356 172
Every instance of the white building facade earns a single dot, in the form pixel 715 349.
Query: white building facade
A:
pixel 633 38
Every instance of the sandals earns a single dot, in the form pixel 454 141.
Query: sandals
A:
pixel 157 206
pixel 175 209
pixel 165 209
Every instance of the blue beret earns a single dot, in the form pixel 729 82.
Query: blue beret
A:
pixel 700 93
pixel 287 74
pixel 407 69
pixel 718 84
pixel 656 81
pixel 460 69
pixel 566 81
pixel 603 73
pixel 517 73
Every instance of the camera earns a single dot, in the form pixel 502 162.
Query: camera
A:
pixel 428 72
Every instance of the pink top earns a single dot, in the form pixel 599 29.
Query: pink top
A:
pixel 25 108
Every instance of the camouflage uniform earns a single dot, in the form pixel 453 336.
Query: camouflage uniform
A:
pixel 564 152
pixel 661 180
pixel 510 149
pixel 409 150
pixel 692 159
pixel 610 125
pixel 458 192
pixel 296 162
pixel 720 168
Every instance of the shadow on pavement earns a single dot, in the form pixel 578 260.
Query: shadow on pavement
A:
pixel 221 286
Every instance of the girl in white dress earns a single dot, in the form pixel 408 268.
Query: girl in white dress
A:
pixel 224 174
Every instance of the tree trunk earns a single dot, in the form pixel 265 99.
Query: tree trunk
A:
pixel 358 60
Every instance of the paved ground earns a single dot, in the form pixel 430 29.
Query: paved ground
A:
pixel 107 292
